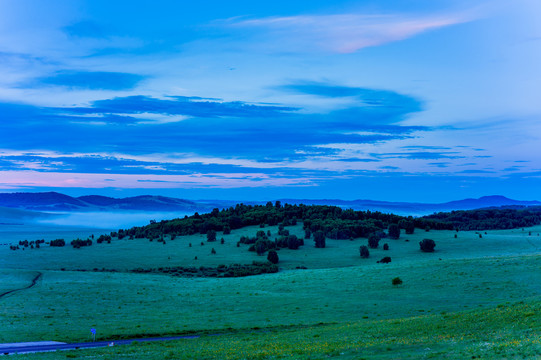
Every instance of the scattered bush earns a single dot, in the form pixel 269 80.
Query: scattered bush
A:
pixel 319 239
pixel 78 243
pixel 211 235
pixel 397 281
pixel 293 242
pixel 427 245
pixel 272 256
pixel 373 241
pixel 58 243
pixel 364 251
pixel 394 231
pixel 385 260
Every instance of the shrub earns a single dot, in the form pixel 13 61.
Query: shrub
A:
pixel 394 231
pixel 272 256
pixel 211 235
pixel 213 251
pixel 385 246
pixel 319 239
pixel 385 260
pixel 58 243
pixel 397 281
pixel 293 242
pixel 222 241
pixel 364 251
pixel 427 245
pixel 373 241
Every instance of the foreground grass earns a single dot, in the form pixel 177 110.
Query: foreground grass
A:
pixel 63 306
pixel 503 332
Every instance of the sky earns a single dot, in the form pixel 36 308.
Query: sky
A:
pixel 417 100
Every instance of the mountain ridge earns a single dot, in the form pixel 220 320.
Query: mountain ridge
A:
pixel 58 202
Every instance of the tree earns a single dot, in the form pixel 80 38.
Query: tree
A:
pixel 394 231
pixel 427 245
pixel 227 230
pixel 364 251
pixel 211 235
pixel 260 247
pixel 385 246
pixel 373 241
pixel 272 256
pixel 319 239
pixel 213 251
pixel 293 242
pixel 409 226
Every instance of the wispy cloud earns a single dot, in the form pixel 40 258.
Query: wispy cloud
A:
pixel 94 80
pixel 340 33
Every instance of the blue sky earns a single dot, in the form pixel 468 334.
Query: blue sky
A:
pixel 391 100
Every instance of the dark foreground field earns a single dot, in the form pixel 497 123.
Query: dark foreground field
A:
pixel 475 297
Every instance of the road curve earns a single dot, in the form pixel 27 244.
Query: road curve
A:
pixel 14 349
pixel 34 281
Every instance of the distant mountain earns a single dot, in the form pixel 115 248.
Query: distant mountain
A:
pixel 46 201
pixel 56 202
pixel 144 202
pixel 406 208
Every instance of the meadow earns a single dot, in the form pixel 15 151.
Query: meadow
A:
pixel 340 304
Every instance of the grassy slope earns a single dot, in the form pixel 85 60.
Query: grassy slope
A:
pixel 502 332
pixel 359 295
pixel 129 254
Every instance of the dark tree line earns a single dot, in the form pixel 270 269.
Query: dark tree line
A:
pixel 331 221
pixel 482 219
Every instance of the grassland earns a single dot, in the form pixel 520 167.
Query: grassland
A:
pixel 502 332
pixel 473 296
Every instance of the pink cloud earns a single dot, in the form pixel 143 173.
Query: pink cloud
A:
pixel 23 179
pixel 343 33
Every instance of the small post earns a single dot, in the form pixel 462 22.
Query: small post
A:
pixel 93 331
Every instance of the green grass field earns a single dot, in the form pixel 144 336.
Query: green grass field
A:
pixel 473 296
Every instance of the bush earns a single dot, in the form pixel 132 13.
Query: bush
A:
pixel 211 235
pixel 319 239
pixel 58 243
pixel 394 231
pixel 373 241
pixel 385 260
pixel 272 256
pixel 397 281
pixel 364 251
pixel 427 245
pixel 293 242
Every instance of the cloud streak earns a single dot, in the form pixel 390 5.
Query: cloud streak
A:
pixel 340 33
